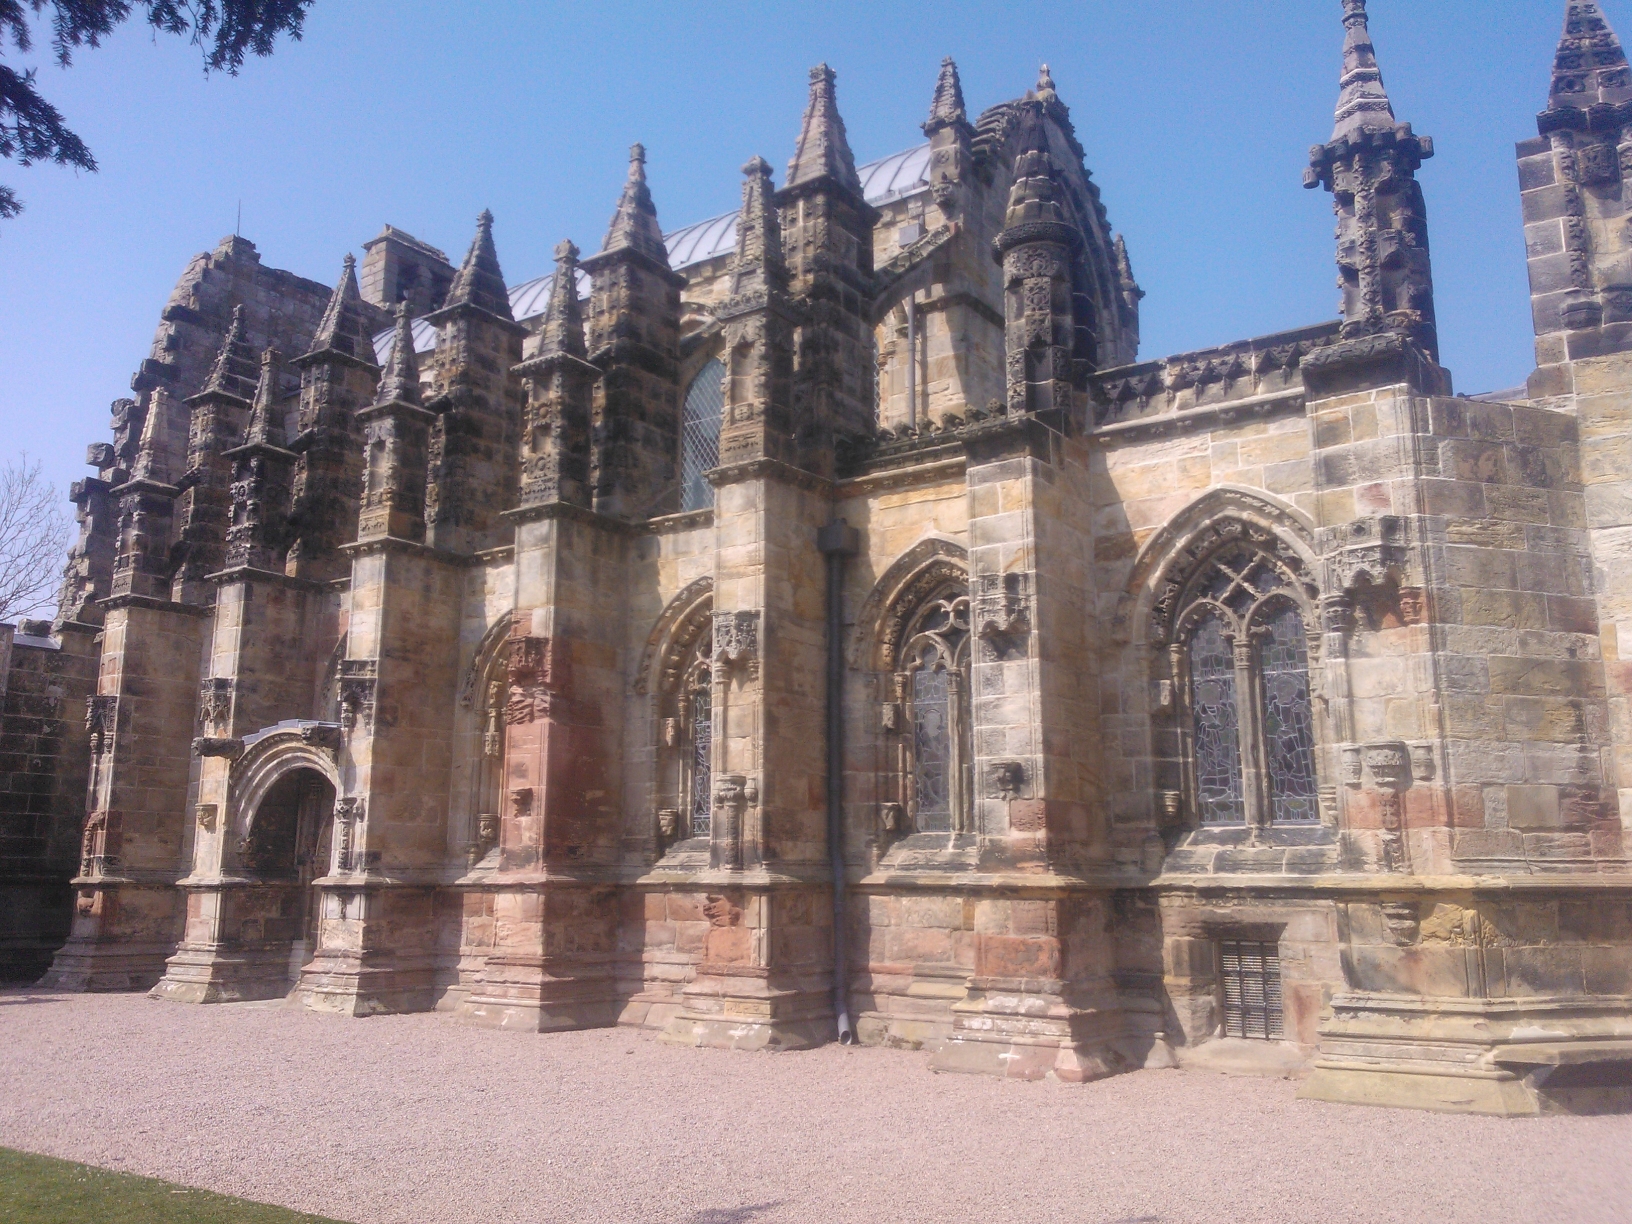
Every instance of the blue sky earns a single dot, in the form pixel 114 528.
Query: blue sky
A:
pixel 1197 117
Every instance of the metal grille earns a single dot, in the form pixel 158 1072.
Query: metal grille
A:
pixel 700 436
pixel 1251 972
pixel 1215 726
pixel 1289 725
pixel 702 745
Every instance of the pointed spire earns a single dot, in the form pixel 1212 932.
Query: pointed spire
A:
pixel 479 282
pixel 563 318
pixel 1035 196
pixel 266 417
pixel 634 225
pixel 1124 273
pixel 158 455
pixel 1590 68
pixel 759 232
pixel 947 108
pixel 344 328
pixel 823 150
pixel 1362 103
pixel 234 371
pixel 399 383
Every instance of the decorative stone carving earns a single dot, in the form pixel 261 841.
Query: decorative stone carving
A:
pixel 323 736
pixel 1004 779
pixel 1401 922
pixel 1002 614
pixel 1422 762
pixel 734 794
pixel 230 747
pixel 348 816
pixel 101 718
pixel 215 695
pixel 359 678
pixel 1353 764
pixel 534 680
pixel 736 640
pixel 893 818
pixel 1366 552
pixel 206 815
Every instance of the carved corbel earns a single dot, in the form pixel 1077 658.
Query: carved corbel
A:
pixel 736 641
pixel 230 747
pixel 1002 614
pixel 101 718
pixel 348 816
pixel 358 681
pixel 215 705
pixel 322 736
pixel 1005 779
pixel 206 815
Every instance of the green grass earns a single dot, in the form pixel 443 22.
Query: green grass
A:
pixel 40 1190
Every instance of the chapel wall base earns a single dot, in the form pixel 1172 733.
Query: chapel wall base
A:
pixel 726 1010
pixel 1507 1057
pixel 1021 1029
pixel 34 923
pixel 214 973
pixel 122 935
pixel 376 952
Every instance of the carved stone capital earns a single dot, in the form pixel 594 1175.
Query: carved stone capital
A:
pixel 230 747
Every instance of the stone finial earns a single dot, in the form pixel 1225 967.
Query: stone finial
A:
pixel 265 418
pixel 1362 102
pixel 759 231
pixel 947 107
pixel 824 149
pixel 1126 283
pixel 235 367
pixel 479 282
pixel 634 225
pixel 1590 68
pixel 563 319
pixel 159 453
pixel 399 383
pixel 1045 86
pixel 344 329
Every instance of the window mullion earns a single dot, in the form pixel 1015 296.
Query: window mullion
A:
pixel 1249 729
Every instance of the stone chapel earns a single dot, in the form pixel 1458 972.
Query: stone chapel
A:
pixel 819 623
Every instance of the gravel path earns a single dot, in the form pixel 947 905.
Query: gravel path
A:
pixel 421 1119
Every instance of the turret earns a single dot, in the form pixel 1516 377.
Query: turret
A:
pixel 396 431
pixel 219 413
pixel 147 502
pixel 558 383
pixel 1370 166
pixel 337 379
pixel 262 469
pixel 1576 200
pixel 757 319
pixel 1036 248
pixel 829 243
pixel 634 336
pixel 477 402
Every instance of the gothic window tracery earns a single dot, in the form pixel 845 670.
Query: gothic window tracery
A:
pixel 685 708
pixel 700 435
pixel 1240 660
pixel 934 758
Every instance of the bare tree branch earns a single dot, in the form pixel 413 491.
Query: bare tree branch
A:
pixel 33 540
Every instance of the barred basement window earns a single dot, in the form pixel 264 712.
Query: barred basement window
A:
pixel 700 436
pixel 1250 972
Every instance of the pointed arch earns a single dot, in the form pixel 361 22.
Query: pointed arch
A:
pixel 682 607
pixel 928 564
pixel 1147 608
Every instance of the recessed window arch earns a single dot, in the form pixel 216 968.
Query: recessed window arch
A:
pixel 1239 664
pixel 685 710
pixel 700 435
pixel 924 648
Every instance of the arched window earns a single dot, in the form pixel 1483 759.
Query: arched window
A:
pixel 685 710
pixel 700 435
pixel 1246 718
pixel 937 772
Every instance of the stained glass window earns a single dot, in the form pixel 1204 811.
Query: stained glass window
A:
pixel 700 436
pixel 932 749
pixel 702 745
pixel 1215 725
pixel 1289 726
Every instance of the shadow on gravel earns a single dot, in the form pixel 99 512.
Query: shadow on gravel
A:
pixel 731 1215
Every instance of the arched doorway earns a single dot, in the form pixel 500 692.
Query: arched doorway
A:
pixel 288 846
